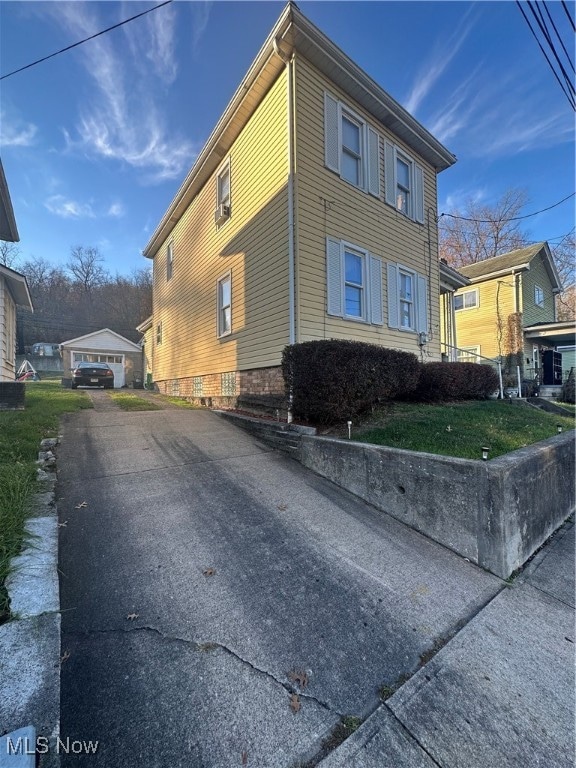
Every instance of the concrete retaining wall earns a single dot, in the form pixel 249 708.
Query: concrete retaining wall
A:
pixel 495 513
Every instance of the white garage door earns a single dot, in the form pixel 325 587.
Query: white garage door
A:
pixel 116 362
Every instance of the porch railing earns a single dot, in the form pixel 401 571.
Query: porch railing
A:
pixel 459 355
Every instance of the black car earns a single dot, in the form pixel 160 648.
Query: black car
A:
pixel 92 375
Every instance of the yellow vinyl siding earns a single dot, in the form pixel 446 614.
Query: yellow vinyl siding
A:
pixel 329 206
pixel 537 275
pixel 252 245
pixel 479 326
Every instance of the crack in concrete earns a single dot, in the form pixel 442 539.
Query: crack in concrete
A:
pixel 177 466
pixel 209 646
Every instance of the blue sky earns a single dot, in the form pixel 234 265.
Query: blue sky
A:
pixel 95 142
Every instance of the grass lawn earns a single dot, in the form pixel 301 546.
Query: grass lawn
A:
pixel 460 429
pixel 129 402
pixel 20 436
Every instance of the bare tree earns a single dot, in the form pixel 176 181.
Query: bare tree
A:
pixel 85 265
pixel 9 254
pixel 477 231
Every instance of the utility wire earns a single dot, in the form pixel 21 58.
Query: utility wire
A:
pixel 559 38
pixel 514 218
pixel 86 39
pixel 568 14
pixel 566 93
pixel 541 21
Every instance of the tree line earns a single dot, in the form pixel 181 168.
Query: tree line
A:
pixel 79 297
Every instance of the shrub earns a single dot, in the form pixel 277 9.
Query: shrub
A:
pixel 332 381
pixel 441 382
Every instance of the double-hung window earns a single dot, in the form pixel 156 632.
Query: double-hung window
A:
pixel 351 146
pixel 169 260
pixel 404 183
pixel 538 296
pixel 351 151
pixel 224 300
pixel 466 299
pixel 354 282
pixel 223 194
pixel 407 299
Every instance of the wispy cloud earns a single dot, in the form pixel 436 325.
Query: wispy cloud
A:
pixel 442 55
pixel 116 211
pixel 122 120
pixel 16 133
pixel 200 16
pixel 69 209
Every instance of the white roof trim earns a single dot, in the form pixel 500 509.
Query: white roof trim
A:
pixel 74 342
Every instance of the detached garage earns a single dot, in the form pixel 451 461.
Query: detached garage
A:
pixel 105 346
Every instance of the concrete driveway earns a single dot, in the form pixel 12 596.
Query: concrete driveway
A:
pixel 223 606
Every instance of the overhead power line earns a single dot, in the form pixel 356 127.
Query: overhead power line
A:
pixel 514 218
pixel 86 39
pixel 565 82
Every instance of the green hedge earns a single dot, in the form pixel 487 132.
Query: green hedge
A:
pixel 332 381
pixel 444 382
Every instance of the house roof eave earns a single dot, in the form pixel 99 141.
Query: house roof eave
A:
pixel 18 287
pixel 298 34
pixel 8 228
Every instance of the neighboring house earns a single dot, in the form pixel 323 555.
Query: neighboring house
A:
pixel 309 214
pixel 147 346
pixel 105 346
pixel 509 310
pixel 13 288
pixel 450 281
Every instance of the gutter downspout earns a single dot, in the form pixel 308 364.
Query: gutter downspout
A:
pixel 288 59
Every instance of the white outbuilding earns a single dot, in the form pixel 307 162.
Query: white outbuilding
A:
pixel 105 346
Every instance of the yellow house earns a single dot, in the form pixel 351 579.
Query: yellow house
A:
pixel 508 311
pixel 309 214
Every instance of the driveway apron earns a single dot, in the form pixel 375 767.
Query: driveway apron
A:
pixel 223 606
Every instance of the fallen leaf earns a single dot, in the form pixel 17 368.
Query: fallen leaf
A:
pixel 132 616
pixel 63 525
pixel 298 677
pixel 295 702
pixel 282 507
pixel 209 571
pixel 244 758
pixel 81 505
pixel 65 656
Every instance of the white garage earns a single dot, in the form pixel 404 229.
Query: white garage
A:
pixel 105 346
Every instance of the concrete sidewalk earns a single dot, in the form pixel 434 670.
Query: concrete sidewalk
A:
pixel 500 693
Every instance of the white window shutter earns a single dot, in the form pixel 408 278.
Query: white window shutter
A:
pixel 418 194
pixel 334 278
pixel 373 163
pixel 331 133
pixel 390 173
pixel 393 304
pixel 376 313
pixel 422 308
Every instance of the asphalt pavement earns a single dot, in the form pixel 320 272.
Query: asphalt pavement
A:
pixel 223 606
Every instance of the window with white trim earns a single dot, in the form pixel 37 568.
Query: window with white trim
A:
pixel 223 194
pixel 468 354
pixel 169 260
pixel 351 146
pixel 224 291
pixel 354 282
pixel 466 299
pixel 404 182
pixel 538 296
pixel 407 299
